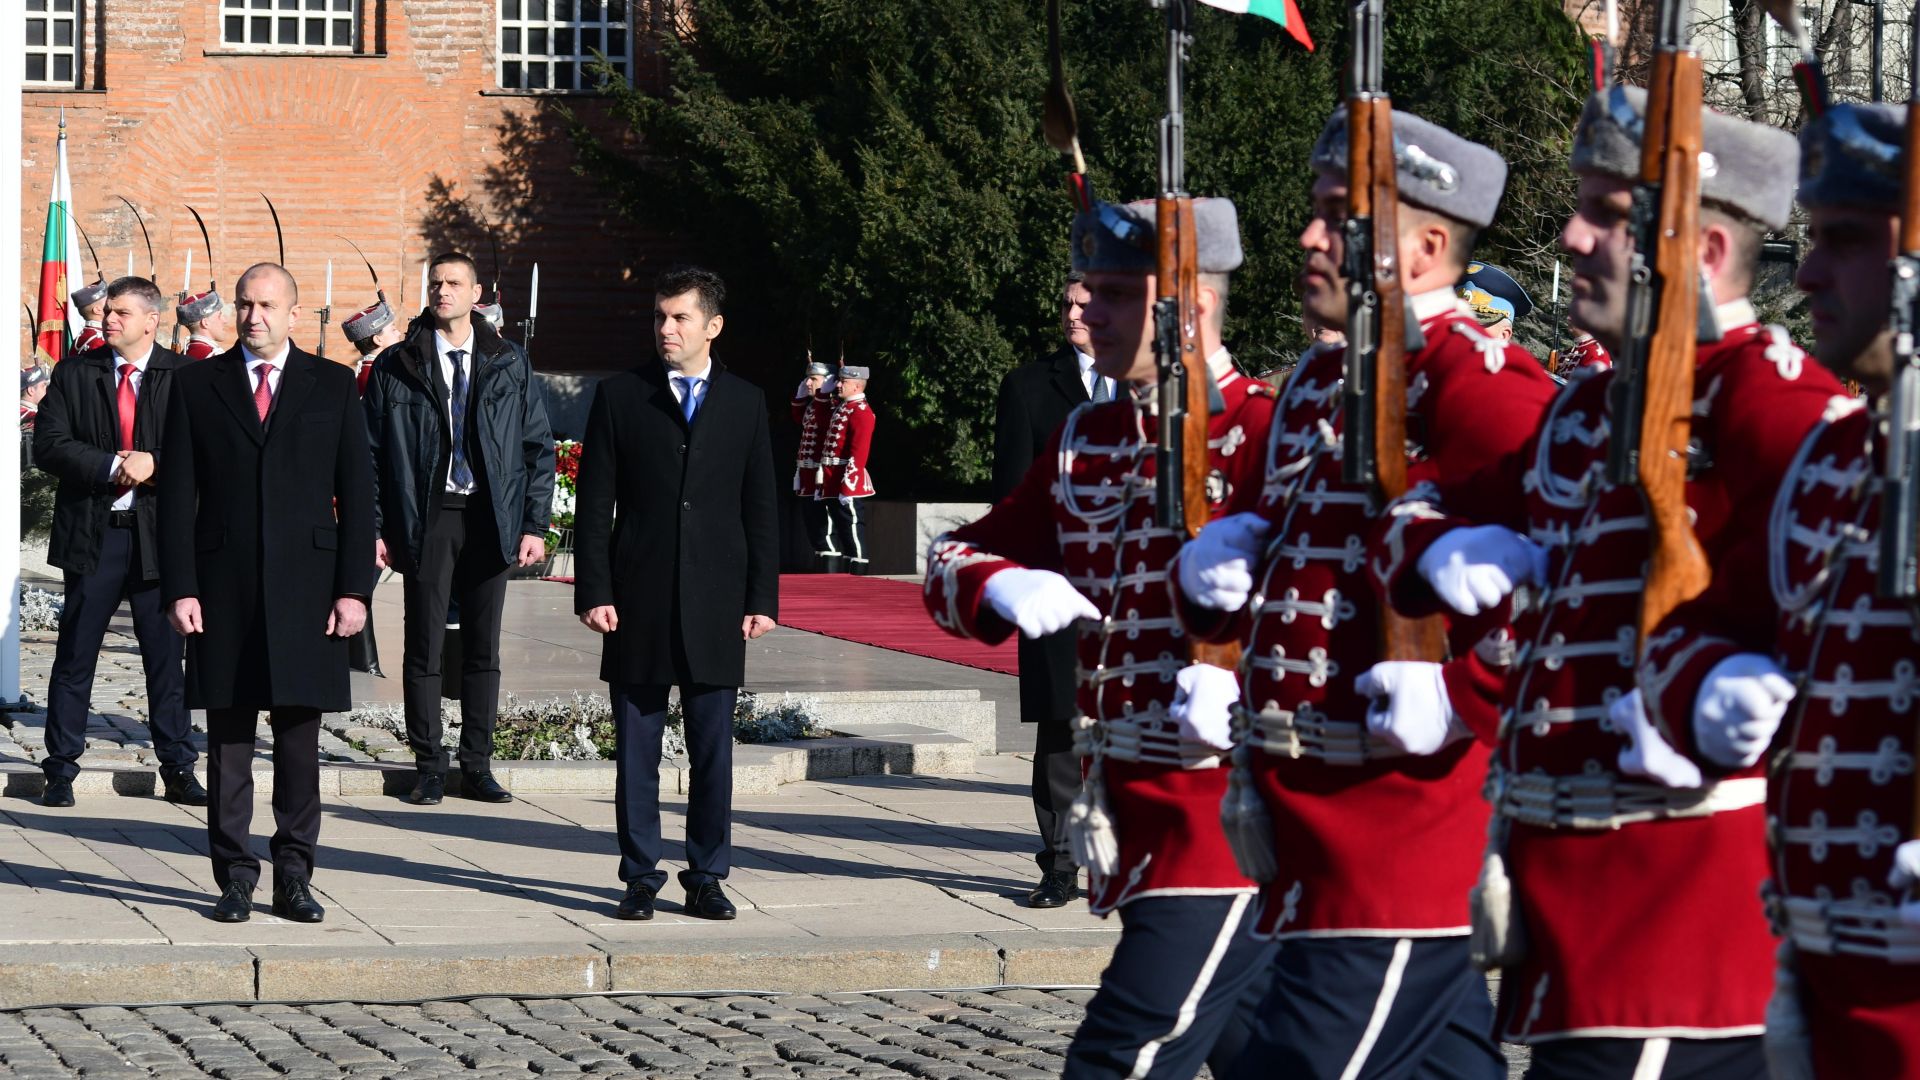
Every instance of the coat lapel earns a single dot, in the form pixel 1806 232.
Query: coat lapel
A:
pixel 231 386
pixel 655 374
pixel 1066 376
pixel 296 382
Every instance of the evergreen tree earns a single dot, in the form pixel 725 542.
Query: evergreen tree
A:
pixel 871 172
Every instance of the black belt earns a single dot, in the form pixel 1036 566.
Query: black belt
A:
pixel 450 501
pixel 122 519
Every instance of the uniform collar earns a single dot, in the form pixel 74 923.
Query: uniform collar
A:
pixel 1433 304
pixel 861 396
pixel 1735 313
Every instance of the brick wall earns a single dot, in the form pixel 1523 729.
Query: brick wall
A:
pixel 405 153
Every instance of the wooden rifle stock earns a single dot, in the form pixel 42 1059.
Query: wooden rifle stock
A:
pixel 1373 200
pixel 1677 568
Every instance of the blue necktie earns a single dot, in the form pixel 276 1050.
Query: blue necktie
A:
pixel 458 471
pixel 1100 392
pixel 689 396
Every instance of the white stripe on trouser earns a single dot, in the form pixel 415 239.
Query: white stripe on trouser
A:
pixel 1229 929
pixel 827 513
pixel 1382 1008
pixel 853 513
pixel 1653 1059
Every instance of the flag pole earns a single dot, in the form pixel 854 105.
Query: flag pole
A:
pixel 12 41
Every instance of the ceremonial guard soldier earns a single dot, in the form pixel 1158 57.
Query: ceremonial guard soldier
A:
pixel 370 330
pixel 200 314
pixel 1796 608
pixel 92 302
pixel 812 406
pixel 844 479
pixel 1076 541
pixel 1377 819
pixel 1604 971
pixel 1585 352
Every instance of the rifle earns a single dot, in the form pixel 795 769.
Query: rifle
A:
pixel 1185 386
pixel 1379 331
pixel 1899 577
pixel 1650 401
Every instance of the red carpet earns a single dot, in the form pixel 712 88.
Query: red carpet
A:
pixel 889 614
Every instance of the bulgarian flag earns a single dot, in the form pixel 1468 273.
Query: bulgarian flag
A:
pixel 1283 12
pixel 60 267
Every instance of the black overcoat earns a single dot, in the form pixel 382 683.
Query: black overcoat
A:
pixel 676 527
pixel 1035 399
pixel 75 438
pixel 267 527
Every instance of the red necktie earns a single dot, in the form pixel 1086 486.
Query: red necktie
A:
pixel 126 403
pixel 263 394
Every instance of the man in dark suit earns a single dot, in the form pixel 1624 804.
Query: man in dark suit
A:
pixel 99 433
pixel 463 476
pixel 1034 399
pixel 266 563
pixel 680 580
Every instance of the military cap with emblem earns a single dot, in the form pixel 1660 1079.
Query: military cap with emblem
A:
pixel 368 321
pixel 818 368
pixel 197 307
pixel 853 371
pixel 1746 168
pixel 1850 156
pixel 1118 238
pixel 1492 294
pixel 33 376
pixel 1435 169
pixel 87 295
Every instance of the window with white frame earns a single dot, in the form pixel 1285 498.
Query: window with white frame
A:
pixel 302 25
pixel 549 44
pixel 53 42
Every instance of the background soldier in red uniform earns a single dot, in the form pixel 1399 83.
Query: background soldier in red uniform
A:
pixel 370 330
pixel 844 479
pixel 92 302
pixel 1077 541
pixel 812 406
pixel 1377 819
pixel 1721 672
pixel 1636 949
pixel 203 314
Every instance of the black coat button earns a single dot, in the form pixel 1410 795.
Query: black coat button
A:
pixel 683 448
pixel 686 506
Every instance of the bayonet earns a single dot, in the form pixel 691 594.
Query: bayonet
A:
pixel 153 264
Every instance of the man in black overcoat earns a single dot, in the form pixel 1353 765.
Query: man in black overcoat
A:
pixel 266 563
pixel 1034 399
pixel 99 433
pixel 680 580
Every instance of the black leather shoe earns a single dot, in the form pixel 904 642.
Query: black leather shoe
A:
pixel 709 902
pixel 183 787
pixel 293 901
pixel 482 787
pixel 236 903
pixel 1055 890
pixel 58 793
pixel 637 905
pixel 428 790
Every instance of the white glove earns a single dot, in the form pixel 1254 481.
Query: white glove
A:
pixel 1216 567
pixel 1472 569
pixel 1738 709
pixel 1905 874
pixel 845 500
pixel 1647 754
pixel 1203 698
pixel 1039 602
pixel 1407 704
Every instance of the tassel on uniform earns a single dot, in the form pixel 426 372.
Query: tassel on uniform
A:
pixel 1091 838
pixel 1789 1046
pixel 1497 939
pixel 1244 818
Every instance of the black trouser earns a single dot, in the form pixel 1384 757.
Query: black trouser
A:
pixel 460 561
pixel 296 793
pixel 846 531
pixel 813 515
pixel 1739 1058
pixel 1056 780
pixel 639 719
pixel 91 600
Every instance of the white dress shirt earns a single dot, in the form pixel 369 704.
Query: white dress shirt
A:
pixel 443 349
pixel 125 501
pixel 695 381
pixel 1088 377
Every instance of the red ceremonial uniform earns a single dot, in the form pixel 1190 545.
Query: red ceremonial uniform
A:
pixel 200 348
pixel 1085 510
pixel 811 412
pixel 1369 841
pixel 1582 354
pixel 1636 900
pixel 1843 796
pixel 90 338
pixel 843 451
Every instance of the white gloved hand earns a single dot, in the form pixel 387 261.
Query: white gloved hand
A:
pixel 1407 704
pixel 1216 567
pixel 1473 569
pixel 1203 700
pixel 1906 874
pixel 1739 708
pixel 1647 754
pixel 1039 602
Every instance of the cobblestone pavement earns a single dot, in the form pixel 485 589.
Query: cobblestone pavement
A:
pixel 1003 1035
